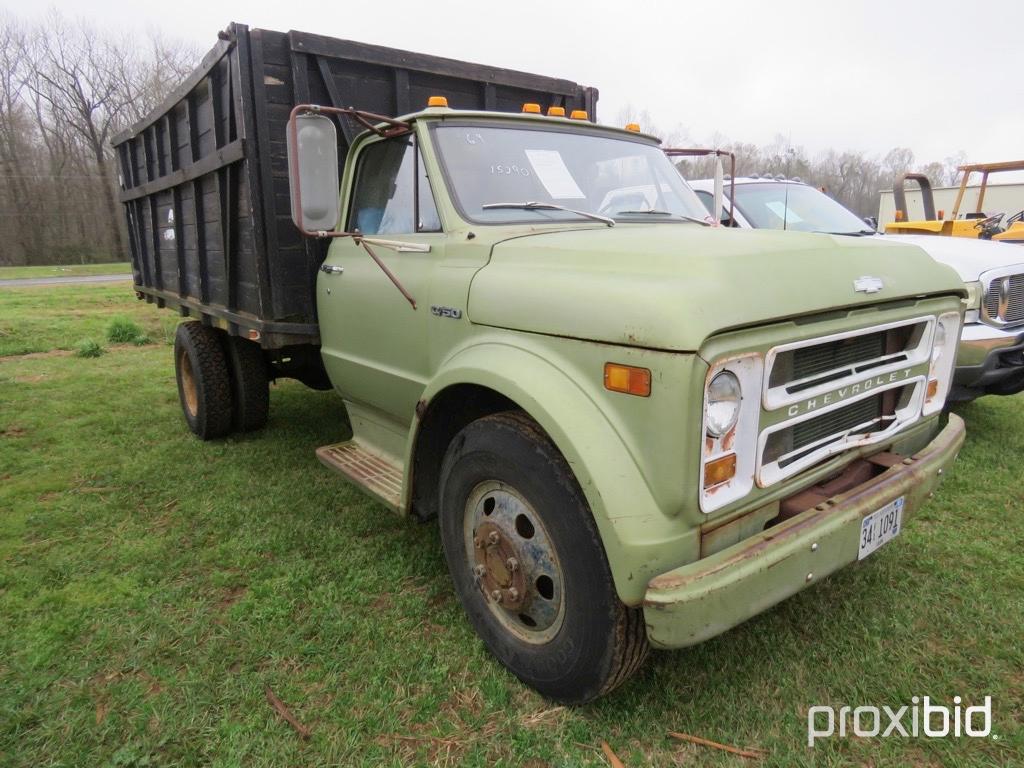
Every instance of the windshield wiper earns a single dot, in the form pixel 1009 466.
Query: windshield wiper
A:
pixel 534 206
pixel 655 212
pixel 858 233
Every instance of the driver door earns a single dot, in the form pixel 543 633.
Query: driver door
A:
pixel 373 342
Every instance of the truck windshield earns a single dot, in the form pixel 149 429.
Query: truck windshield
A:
pixel 512 174
pixel 782 205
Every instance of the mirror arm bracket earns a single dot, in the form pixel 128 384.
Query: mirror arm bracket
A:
pixel 372 122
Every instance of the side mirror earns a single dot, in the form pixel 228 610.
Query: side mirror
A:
pixel 872 222
pixel 719 189
pixel 313 172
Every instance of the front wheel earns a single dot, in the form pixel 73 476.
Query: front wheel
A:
pixel 528 565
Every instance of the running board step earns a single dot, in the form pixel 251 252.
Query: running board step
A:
pixel 374 474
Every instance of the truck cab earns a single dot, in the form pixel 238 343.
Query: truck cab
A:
pixel 633 426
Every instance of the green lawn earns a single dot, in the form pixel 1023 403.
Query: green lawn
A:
pixel 66 270
pixel 152 586
pixel 48 317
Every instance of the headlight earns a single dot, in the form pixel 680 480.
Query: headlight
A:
pixel 974 293
pixel 724 397
pixel 944 349
pixel 939 342
pixel 729 443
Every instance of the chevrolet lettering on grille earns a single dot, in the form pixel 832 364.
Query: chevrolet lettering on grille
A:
pixel 847 392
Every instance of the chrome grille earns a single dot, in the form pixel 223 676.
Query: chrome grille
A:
pixel 834 357
pixel 992 301
pixel 839 391
pixel 857 418
pixel 1015 299
pixel 1004 299
pixel 798 370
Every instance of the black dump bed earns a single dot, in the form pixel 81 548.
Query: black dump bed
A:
pixel 205 180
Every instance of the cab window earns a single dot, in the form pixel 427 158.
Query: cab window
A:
pixel 392 194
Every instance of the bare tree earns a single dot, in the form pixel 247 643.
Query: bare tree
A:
pixel 77 76
pixel 15 167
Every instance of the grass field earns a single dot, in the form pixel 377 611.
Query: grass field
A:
pixel 153 586
pixel 66 270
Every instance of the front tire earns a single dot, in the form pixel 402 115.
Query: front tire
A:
pixel 528 565
pixel 204 386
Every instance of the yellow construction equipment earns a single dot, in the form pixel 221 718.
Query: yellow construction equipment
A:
pixel 976 224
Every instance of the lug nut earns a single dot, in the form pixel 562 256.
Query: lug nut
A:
pixel 480 570
pixel 512 564
pixel 477 543
pixel 513 594
pixel 493 537
pixel 496 595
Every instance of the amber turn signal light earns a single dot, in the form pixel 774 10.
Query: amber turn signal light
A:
pixel 627 379
pixel 933 389
pixel 720 470
pixel 437 101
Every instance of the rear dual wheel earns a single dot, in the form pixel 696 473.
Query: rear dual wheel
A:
pixel 222 381
pixel 528 565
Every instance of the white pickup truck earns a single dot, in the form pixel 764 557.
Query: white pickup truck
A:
pixel 990 359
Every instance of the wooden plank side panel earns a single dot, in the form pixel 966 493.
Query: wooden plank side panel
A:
pixel 253 85
pixel 279 78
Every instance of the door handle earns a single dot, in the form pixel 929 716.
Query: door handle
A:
pixel 331 269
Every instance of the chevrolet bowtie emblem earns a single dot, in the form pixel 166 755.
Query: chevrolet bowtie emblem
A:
pixel 867 284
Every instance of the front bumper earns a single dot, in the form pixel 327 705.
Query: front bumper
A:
pixel 698 601
pixel 988 357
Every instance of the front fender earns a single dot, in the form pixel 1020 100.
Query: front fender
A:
pixel 640 539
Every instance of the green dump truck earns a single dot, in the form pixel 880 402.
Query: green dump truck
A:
pixel 635 429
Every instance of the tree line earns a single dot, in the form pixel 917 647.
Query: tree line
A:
pixel 66 88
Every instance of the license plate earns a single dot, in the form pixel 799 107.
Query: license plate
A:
pixel 880 527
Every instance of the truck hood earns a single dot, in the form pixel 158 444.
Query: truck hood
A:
pixel 969 257
pixel 671 286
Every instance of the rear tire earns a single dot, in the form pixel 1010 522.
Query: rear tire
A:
pixel 250 385
pixel 204 387
pixel 553 618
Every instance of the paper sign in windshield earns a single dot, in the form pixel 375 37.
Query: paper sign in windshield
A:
pixel 779 209
pixel 551 170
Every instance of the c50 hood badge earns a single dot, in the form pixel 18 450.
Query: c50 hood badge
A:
pixel 451 312
pixel 867 284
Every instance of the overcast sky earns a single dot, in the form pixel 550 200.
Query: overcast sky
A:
pixel 938 77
